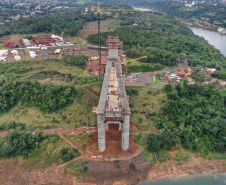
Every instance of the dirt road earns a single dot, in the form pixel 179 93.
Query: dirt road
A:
pixel 20 46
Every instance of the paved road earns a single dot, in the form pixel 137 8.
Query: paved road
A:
pixel 140 79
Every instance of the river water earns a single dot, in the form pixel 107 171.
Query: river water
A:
pixel 142 9
pixel 219 41
pixel 204 179
pixel 214 38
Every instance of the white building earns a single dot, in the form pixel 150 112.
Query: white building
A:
pixel 14 52
pixel 3 52
pixel 188 5
pixel 57 37
pixel 221 30
pixel 26 42
pixel 17 57
pixel 3 58
pixel 57 51
pixel 32 54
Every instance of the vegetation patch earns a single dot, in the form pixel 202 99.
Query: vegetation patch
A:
pixel 145 105
pixel 143 68
pixel 78 168
pixel 80 139
pixel 54 149
pixel 163 39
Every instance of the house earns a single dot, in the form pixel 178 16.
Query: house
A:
pixel 188 4
pixel 180 73
pixel 210 70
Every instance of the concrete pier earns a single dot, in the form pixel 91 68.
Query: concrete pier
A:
pixel 101 133
pixel 113 107
pixel 125 133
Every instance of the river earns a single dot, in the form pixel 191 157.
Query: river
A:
pixel 204 179
pixel 142 9
pixel 214 38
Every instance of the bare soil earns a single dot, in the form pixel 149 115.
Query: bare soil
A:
pixel 113 147
pixel 125 172
pixel 92 28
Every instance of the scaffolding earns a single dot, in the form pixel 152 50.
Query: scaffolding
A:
pixel 113 104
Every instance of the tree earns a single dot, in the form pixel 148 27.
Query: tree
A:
pixel 203 76
pixel 153 143
pixel 222 75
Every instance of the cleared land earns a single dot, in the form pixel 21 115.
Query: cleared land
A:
pixel 92 27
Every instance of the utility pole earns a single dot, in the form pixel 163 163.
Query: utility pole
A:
pixel 99 46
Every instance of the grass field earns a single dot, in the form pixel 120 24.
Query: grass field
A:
pixel 156 83
pixel 145 106
pixel 77 114
pixel 49 152
pixel 80 139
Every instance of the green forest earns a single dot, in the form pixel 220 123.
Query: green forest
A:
pixel 164 40
pixel 46 97
pixel 66 24
pixel 60 92
pixel 197 114
pixel 193 117
pixel 214 11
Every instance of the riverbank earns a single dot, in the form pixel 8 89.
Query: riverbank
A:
pixel 126 173
pixel 197 179
pixel 107 173
pixel 214 38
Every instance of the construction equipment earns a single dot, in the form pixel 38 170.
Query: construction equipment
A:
pixel 125 62
pixel 94 57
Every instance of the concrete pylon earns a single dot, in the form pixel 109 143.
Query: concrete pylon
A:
pixel 101 132
pixel 125 133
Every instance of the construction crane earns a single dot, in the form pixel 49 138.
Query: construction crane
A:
pixel 125 62
pixel 98 10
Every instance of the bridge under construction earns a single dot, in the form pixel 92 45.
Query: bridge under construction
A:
pixel 113 109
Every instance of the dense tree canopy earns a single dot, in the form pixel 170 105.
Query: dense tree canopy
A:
pixel 19 143
pixel 46 97
pixel 196 115
pixel 68 24
pixel 164 40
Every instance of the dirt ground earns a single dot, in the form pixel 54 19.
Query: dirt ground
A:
pixel 49 51
pixel 127 172
pixel 113 146
pixel 92 28
pixel 140 79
